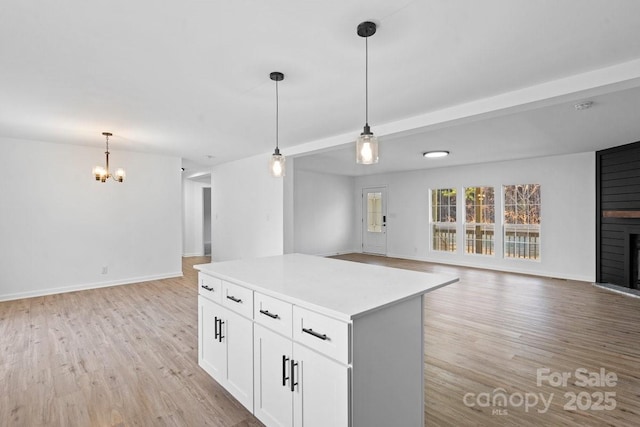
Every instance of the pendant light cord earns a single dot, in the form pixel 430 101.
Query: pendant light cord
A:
pixel 366 80
pixel 277 114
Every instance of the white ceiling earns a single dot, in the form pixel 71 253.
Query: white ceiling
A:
pixel 191 78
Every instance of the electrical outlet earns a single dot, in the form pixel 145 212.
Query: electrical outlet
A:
pixel 105 269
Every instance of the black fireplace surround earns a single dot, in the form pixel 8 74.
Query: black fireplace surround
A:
pixel 618 216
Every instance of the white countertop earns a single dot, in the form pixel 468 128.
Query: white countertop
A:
pixel 338 288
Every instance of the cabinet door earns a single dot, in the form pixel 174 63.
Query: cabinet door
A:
pixel 272 372
pixel 238 335
pixel 321 397
pixel 212 354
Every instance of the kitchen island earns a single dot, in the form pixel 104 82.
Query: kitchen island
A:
pixel 302 340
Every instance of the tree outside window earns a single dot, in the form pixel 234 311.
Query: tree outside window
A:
pixel 522 219
pixel 443 219
pixel 479 220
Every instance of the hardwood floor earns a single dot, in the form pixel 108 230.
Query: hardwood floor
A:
pixel 119 356
pixel 127 355
pixel 494 330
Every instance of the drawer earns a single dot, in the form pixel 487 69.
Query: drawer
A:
pixel 321 333
pixel 237 298
pixel 209 287
pixel 273 313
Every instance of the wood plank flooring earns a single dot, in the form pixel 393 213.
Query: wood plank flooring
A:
pixel 127 355
pixel 494 330
pixel 118 356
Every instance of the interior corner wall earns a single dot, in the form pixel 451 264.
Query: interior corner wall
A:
pixel 246 210
pixel 568 212
pixel 323 213
pixel 192 217
pixel 62 231
pixel 289 201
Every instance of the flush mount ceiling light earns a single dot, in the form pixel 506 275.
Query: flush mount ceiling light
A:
pixel 435 154
pixel 583 105
pixel 102 173
pixel 276 163
pixel 367 143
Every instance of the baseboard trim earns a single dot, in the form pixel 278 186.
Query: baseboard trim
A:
pixel 84 287
pixel 328 254
pixel 190 255
pixel 634 293
pixel 505 269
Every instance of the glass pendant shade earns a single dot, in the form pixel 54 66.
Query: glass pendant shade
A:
pixel 99 173
pixel 276 164
pixel 367 150
pixel 120 175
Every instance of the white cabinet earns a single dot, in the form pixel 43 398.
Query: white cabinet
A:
pixel 321 396
pixel 295 386
pixel 212 353
pixel 272 384
pixel 225 349
pixel 304 341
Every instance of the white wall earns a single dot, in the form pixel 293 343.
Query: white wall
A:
pixel 289 206
pixel 192 217
pixel 247 210
pixel 59 227
pixel 568 212
pixel 323 213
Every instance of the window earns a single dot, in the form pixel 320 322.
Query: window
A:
pixel 522 221
pixel 443 219
pixel 479 220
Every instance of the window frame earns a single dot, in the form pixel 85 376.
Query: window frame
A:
pixel 450 226
pixel 526 244
pixel 484 224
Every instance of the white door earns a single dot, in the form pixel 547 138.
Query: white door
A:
pixel 374 220
pixel 321 392
pixel 272 382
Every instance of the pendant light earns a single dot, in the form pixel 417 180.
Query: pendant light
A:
pixel 102 173
pixel 276 163
pixel 367 143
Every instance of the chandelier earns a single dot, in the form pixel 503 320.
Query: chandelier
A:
pixel 102 173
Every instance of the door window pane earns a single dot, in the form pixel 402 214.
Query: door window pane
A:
pixel 374 212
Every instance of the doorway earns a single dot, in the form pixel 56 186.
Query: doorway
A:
pixel 206 220
pixel 374 220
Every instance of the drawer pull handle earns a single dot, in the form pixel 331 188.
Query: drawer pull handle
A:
pixel 266 313
pixel 234 299
pixel 293 381
pixel 285 359
pixel 218 329
pixel 220 337
pixel 323 337
pixel 207 288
